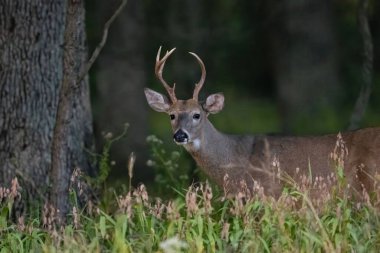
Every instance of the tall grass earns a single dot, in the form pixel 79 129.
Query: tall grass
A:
pixel 200 219
pixel 197 221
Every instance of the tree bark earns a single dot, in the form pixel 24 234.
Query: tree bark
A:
pixel 32 46
pixel 367 67
pixel 67 150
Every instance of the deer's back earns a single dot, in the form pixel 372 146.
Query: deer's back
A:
pixel 318 156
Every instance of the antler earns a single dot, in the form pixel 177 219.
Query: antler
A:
pixel 158 70
pixel 199 85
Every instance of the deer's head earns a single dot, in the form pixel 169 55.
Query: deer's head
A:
pixel 187 117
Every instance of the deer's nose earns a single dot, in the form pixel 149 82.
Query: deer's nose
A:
pixel 180 136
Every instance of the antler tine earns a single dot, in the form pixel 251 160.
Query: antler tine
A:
pixel 160 63
pixel 199 85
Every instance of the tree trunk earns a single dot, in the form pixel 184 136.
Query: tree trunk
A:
pixel 32 71
pixel 120 81
pixel 185 31
pixel 367 66
pixel 67 143
pixel 305 60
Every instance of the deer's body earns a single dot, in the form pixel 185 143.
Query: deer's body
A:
pixel 260 158
pixel 249 157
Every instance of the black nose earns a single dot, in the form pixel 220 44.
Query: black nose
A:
pixel 180 136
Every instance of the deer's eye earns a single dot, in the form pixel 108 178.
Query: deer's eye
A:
pixel 196 116
pixel 172 116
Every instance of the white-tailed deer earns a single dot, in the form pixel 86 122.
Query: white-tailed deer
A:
pixel 259 158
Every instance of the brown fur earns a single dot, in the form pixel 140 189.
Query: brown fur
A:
pixel 262 159
pixel 252 158
pixel 269 161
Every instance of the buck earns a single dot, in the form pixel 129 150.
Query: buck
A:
pixel 259 158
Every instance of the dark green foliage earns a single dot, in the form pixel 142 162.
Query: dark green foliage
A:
pixel 104 158
pixel 169 175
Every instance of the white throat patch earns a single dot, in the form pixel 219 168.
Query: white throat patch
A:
pixel 197 144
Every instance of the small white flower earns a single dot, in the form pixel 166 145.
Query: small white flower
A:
pixel 150 163
pixel 173 245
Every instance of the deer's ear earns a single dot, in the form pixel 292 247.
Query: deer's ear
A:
pixel 157 101
pixel 214 103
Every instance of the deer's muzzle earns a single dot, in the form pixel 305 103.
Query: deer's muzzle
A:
pixel 181 137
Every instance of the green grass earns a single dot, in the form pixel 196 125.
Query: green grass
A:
pixel 198 218
pixel 198 221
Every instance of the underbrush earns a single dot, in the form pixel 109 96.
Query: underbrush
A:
pixel 200 219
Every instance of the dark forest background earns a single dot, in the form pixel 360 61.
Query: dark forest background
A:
pixel 291 67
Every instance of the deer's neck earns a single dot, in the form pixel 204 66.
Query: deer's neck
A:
pixel 215 152
pixel 204 145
